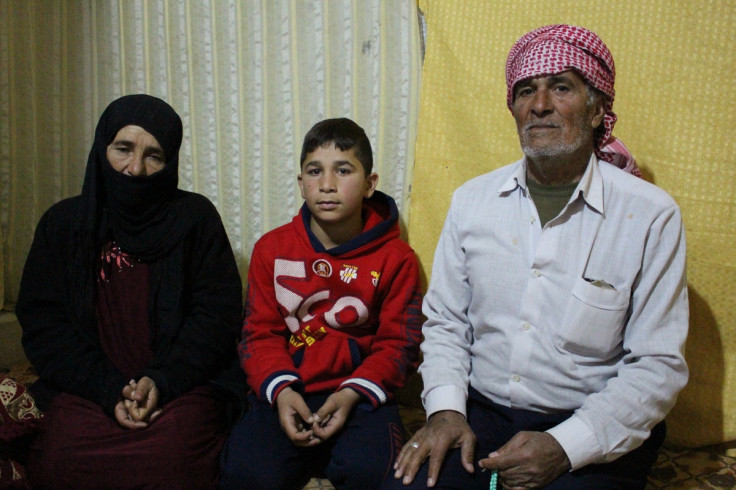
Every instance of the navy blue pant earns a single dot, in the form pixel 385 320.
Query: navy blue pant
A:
pixel 259 455
pixel 495 424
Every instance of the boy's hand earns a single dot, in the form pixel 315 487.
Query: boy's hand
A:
pixel 295 418
pixel 331 416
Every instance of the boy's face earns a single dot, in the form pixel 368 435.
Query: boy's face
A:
pixel 333 183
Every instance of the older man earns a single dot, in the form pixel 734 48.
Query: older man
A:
pixel 557 311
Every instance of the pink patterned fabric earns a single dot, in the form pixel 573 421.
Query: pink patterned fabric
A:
pixel 552 49
pixel 19 414
pixel 19 418
pixel 619 155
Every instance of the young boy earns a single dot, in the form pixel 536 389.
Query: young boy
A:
pixel 331 331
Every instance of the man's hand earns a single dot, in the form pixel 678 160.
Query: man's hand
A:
pixel 444 430
pixel 528 460
pixel 331 416
pixel 295 418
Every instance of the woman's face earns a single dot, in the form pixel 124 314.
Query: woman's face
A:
pixel 134 151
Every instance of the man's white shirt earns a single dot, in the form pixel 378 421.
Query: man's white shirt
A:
pixel 588 314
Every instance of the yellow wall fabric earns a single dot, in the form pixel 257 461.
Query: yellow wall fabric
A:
pixel 676 69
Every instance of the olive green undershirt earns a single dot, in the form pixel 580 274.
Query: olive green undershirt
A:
pixel 549 199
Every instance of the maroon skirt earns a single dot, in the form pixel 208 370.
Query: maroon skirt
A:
pixel 82 447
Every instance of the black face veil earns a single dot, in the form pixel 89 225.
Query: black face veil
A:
pixel 135 212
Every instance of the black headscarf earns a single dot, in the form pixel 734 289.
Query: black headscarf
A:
pixel 138 213
pixel 134 211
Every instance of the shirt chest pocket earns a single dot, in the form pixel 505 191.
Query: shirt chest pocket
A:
pixel 593 321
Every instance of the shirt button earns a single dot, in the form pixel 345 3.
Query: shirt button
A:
pixel 536 273
pixel 516 378
pixel 526 326
pixel 532 219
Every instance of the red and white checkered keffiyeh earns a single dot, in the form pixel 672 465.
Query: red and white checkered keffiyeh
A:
pixel 615 152
pixel 550 50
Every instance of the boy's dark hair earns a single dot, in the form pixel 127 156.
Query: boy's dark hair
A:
pixel 345 135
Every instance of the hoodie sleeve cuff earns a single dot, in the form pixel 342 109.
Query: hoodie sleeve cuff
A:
pixel 366 389
pixel 273 385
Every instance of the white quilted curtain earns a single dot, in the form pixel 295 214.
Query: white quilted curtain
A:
pixel 248 78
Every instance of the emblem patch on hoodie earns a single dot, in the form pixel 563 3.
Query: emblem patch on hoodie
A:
pixel 376 276
pixel 322 268
pixel 348 273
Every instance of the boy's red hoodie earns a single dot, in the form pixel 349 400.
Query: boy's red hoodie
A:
pixel 321 320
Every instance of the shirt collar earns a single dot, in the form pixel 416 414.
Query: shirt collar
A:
pixel 517 178
pixel 590 185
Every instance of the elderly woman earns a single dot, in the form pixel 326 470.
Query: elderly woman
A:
pixel 130 305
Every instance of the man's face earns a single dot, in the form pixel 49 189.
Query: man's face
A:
pixel 553 115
